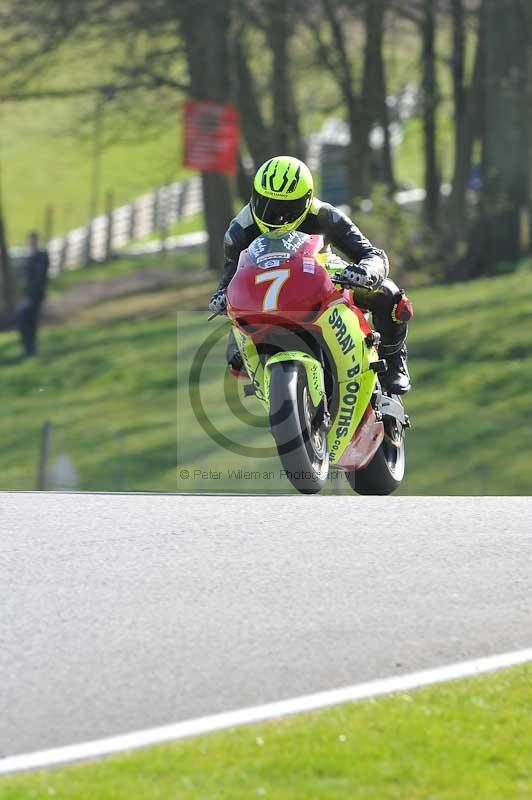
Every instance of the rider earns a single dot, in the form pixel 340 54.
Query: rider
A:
pixel 283 200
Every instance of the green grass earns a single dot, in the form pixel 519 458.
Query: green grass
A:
pixel 45 162
pixel 108 383
pixel 109 391
pixel 454 741
pixel 472 398
pixel 186 263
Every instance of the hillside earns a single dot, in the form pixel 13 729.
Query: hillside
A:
pixel 47 160
pixel 108 383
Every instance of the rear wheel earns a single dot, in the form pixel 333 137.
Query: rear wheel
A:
pixel 386 469
pixel 297 427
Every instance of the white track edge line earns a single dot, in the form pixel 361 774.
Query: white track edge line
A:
pixel 245 716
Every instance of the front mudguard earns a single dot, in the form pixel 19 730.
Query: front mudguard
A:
pixel 312 367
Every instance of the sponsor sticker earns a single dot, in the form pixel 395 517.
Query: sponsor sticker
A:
pixel 308 265
pixel 293 240
pixel 267 256
pixel 257 247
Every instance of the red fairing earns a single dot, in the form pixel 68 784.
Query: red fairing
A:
pixel 276 289
pixel 365 442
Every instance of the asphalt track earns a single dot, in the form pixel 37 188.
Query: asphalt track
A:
pixel 124 612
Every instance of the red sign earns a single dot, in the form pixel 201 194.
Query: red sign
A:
pixel 211 137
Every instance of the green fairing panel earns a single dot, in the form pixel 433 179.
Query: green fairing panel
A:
pixel 312 367
pixel 356 381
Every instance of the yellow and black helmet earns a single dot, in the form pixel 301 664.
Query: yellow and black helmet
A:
pixel 282 194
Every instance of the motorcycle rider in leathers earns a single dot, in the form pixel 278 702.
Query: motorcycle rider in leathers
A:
pixel 283 200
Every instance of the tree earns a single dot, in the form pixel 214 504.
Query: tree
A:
pixel 364 100
pixel 205 30
pixel 506 133
pixel 8 292
pixel 374 91
pixel 274 23
pixel 430 98
pixel 527 11
pixel 162 33
pixel 254 127
pixel 467 103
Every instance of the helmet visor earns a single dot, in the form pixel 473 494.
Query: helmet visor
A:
pixel 276 213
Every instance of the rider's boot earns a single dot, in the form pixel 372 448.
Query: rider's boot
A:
pixel 396 379
pixel 234 358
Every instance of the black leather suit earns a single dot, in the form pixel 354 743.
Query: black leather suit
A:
pixel 342 233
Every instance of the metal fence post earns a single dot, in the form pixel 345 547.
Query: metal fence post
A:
pixel 87 246
pixel 155 211
pixel 109 203
pixel 44 455
pixel 132 220
pixel 63 254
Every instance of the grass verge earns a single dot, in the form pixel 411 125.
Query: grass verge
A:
pixel 452 741
pixel 115 384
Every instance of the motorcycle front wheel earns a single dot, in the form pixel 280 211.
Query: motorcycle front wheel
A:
pixel 297 428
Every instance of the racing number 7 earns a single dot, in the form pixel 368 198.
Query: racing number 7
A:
pixel 278 277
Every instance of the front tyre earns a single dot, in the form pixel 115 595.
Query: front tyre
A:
pixel 297 428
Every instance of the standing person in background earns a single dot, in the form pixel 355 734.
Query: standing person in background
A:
pixel 36 277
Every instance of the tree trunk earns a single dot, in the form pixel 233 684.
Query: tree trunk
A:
pixel 467 111
pixel 244 181
pixel 285 131
pixel 205 28
pixel 387 153
pixel 430 103
pixel 374 89
pixel 8 291
pixel 217 196
pixel 506 144
pixel 357 154
pixel 528 18
pixel 256 133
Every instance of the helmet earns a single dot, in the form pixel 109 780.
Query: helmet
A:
pixel 282 193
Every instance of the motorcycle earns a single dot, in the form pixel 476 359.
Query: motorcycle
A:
pixel 311 356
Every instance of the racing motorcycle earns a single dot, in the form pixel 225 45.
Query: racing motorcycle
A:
pixel 312 360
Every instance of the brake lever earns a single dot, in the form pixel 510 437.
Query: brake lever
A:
pixel 340 280
pixel 217 314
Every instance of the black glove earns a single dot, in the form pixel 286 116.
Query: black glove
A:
pixel 360 276
pixel 218 302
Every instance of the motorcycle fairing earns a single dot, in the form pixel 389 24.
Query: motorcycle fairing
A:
pixel 342 331
pixel 253 364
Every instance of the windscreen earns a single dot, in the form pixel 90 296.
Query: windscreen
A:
pixel 275 247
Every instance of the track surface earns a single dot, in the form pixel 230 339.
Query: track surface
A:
pixel 124 612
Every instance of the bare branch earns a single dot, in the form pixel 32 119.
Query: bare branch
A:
pixel 105 89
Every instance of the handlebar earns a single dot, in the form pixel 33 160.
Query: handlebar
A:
pixel 217 314
pixel 339 279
